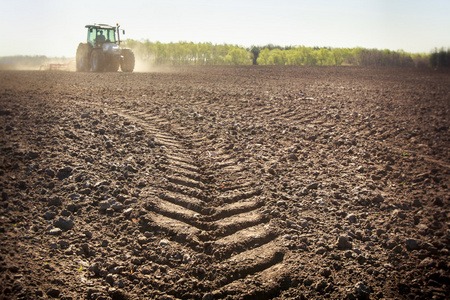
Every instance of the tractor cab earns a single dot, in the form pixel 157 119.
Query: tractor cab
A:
pixel 101 33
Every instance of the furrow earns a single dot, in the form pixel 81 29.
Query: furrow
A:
pixel 233 196
pixel 250 262
pixel 184 160
pixel 242 240
pixel 264 285
pixel 180 231
pixel 184 181
pixel 195 176
pixel 186 201
pixel 185 190
pixel 230 225
pixel 225 187
pixel 187 166
pixel 233 209
pixel 179 213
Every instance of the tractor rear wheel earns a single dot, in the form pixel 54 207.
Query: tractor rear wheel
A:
pixel 97 60
pixel 128 61
pixel 82 59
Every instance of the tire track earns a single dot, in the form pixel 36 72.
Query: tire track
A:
pixel 211 206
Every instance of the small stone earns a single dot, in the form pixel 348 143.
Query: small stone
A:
pixel 87 234
pixel 84 115
pixel 438 201
pixel 63 244
pixel 127 211
pixel 117 206
pixel 321 250
pixel 65 213
pixel 53 292
pixel 325 272
pixel 136 261
pixel 390 244
pixel 398 249
pixel 361 290
pixel 50 172
pixel 119 283
pixel 412 244
pixel 186 258
pixel 110 279
pixel 85 248
pixel 104 205
pixel 22 184
pixel 321 285
pixel 207 296
pixel 54 201
pixel 292 156
pixel 378 198
pixel 320 201
pixel 64 224
pixel 281 203
pixel 343 242
pixel 164 242
pixel 64 172
pixel 380 231
pixel 398 214
pixel 427 263
pixel 360 169
pixel 313 186
pixel 375 177
pixel 49 215
pixel 361 259
pixel 141 184
pixel 142 239
pixel 94 268
pixel 351 218
pixel 55 231
pixel 348 254
pixel 422 229
pixel 417 203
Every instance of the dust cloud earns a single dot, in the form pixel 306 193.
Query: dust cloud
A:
pixel 33 63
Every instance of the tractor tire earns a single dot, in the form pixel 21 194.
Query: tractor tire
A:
pixel 113 65
pixel 128 61
pixel 82 58
pixel 97 60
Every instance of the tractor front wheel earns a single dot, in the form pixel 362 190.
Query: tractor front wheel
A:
pixel 128 61
pixel 97 60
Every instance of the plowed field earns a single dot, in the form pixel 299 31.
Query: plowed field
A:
pixel 225 183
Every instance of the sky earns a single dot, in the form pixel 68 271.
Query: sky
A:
pixel 55 27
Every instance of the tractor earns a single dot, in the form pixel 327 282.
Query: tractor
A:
pixel 102 52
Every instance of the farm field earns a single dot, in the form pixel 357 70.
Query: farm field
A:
pixel 225 183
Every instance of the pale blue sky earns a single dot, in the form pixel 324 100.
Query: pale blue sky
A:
pixel 55 27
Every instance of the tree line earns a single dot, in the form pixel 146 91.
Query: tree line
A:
pixel 440 58
pixel 189 53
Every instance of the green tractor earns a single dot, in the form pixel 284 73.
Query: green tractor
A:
pixel 102 52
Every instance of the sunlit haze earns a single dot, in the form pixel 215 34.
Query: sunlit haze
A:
pixel 55 27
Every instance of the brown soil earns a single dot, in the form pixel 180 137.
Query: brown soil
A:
pixel 236 183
